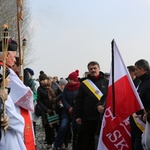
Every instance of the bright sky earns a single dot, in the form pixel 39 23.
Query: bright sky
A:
pixel 70 33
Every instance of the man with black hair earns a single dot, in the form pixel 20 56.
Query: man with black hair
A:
pixel 90 105
pixel 133 127
pixel 135 79
pixel 142 71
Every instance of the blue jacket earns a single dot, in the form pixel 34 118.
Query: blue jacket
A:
pixel 68 100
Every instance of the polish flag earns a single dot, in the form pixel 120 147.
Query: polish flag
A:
pixel 122 101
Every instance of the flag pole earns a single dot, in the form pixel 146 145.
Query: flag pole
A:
pixel 19 43
pixel 113 87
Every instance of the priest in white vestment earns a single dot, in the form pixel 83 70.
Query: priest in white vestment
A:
pixel 13 137
pixel 21 96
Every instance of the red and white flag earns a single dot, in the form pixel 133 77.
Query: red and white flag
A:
pixel 122 101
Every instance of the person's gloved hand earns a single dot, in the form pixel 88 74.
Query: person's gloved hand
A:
pixel 70 110
pixel 49 111
pixel 79 121
pixel 54 101
pixel 4 94
pixel 4 121
pixel 101 109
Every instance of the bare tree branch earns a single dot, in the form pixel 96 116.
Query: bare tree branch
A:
pixel 8 15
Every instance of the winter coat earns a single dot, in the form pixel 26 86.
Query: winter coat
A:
pixel 144 90
pixel 87 103
pixel 44 102
pixel 68 100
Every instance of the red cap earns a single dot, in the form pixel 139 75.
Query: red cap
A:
pixel 74 76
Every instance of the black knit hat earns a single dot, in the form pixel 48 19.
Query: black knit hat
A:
pixel 30 71
pixel 12 46
pixel 1 73
pixel 42 76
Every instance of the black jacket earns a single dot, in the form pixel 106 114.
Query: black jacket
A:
pixel 144 90
pixel 44 103
pixel 144 93
pixel 86 102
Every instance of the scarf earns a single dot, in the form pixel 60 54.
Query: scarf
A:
pixel 72 87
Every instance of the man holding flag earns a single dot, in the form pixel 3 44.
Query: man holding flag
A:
pixel 122 101
pixel 90 103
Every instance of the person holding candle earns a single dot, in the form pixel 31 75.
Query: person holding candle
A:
pixel 21 95
pixel 12 122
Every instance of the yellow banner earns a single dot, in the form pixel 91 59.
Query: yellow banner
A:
pixel 93 88
pixel 140 124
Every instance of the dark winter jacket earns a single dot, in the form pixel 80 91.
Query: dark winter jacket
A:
pixel 44 103
pixel 87 103
pixel 144 90
pixel 68 100
pixel 144 93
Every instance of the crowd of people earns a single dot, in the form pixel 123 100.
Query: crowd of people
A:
pixel 71 108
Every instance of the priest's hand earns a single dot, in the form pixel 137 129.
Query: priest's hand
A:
pixel 4 121
pixel 3 94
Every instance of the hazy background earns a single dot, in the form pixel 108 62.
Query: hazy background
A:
pixel 67 34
